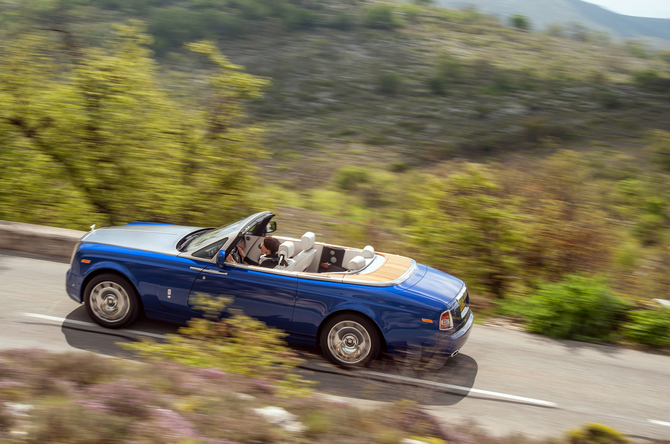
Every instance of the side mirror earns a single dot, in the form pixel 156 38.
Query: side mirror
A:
pixel 271 227
pixel 221 259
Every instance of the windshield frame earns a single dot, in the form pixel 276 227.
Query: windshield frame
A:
pixel 232 231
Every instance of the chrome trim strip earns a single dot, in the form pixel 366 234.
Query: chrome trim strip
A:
pixel 209 270
pixel 196 268
pixel 462 292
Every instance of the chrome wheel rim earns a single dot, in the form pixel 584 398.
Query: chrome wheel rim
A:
pixel 110 301
pixel 349 342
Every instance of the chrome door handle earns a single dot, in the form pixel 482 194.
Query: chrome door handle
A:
pixel 215 272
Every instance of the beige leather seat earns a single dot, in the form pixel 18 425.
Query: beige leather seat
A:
pixel 304 259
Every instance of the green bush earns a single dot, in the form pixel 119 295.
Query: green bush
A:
pixel 236 343
pixel 660 148
pixel 172 27
pixel 608 100
pixel 381 17
pixel 652 80
pixel 348 178
pixel 296 18
pixel 596 434
pixel 581 308
pixel 389 83
pixel 649 327
pixel 222 24
pixel 520 22
pixel 342 21
pixel 438 85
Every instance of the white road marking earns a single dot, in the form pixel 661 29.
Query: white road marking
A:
pixel 660 423
pixel 466 389
pixel 90 324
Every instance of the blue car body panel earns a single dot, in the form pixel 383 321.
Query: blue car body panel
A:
pixel 407 314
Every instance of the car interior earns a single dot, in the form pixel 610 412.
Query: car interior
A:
pixel 307 255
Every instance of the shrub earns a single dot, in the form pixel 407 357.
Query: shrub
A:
pixel 348 178
pixel 236 343
pixel 652 80
pixel 660 147
pixel 596 434
pixel 581 308
pixel 438 85
pixel 520 22
pixel 608 100
pixel 222 24
pixel 342 21
pixel 389 83
pixel 649 327
pixel 381 17
pixel 295 18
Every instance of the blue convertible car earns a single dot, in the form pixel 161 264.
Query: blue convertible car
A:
pixel 350 302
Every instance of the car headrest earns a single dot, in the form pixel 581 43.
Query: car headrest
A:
pixel 368 252
pixel 307 241
pixel 287 249
pixel 356 263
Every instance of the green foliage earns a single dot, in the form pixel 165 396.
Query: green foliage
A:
pixel 608 100
pixel 389 83
pixel 348 178
pixel 637 49
pixel 648 327
pixel 296 18
pixel 652 80
pixel 660 148
pixel 438 85
pixel 110 141
pixel 520 22
pixel 342 21
pixel 236 343
pixel 172 27
pixel 381 17
pixel 466 224
pixel 596 434
pixel 580 308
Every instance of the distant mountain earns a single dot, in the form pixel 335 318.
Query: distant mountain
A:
pixel 543 13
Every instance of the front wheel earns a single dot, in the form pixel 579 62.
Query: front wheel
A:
pixel 350 340
pixel 111 301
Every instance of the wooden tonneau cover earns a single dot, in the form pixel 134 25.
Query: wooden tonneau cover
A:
pixel 390 273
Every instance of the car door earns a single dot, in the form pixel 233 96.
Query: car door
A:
pixel 265 295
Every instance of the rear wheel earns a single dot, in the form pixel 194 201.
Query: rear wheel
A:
pixel 111 301
pixel 350 340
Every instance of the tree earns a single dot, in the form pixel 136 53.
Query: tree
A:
pixel 520 22
pixel 466 224
pixel 104 130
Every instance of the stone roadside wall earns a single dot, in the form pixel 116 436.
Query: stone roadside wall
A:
pixel 38 239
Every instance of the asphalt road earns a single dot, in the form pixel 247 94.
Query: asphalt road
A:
pixel 503 381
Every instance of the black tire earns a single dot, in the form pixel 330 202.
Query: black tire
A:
pixel 350 340
pixel 111 300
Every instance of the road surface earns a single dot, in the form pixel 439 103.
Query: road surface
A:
pixel 505 381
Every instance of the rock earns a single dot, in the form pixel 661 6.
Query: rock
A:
pixel 282 418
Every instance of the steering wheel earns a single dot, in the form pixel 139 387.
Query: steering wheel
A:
pixel 235 254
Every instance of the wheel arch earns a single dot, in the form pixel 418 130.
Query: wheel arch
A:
pixel 382 339
pixel 109 270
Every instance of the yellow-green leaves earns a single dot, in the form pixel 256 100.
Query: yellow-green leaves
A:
pixel 105 129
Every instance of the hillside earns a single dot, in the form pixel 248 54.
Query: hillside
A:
pixel 395 82
pixel 544 13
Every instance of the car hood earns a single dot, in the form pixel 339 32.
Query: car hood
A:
pixel 437 286
pixel 159 238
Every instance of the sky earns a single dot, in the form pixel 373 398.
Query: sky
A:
pixel 640 8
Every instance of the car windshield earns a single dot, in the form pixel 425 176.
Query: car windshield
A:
pixel 216 233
